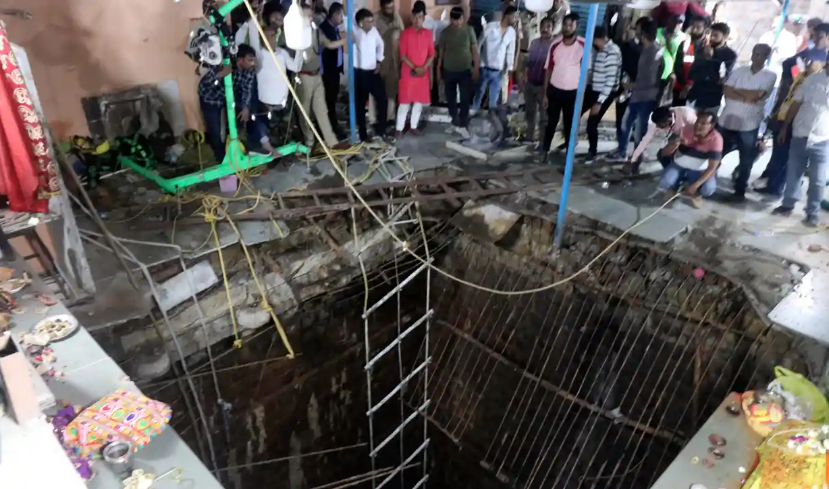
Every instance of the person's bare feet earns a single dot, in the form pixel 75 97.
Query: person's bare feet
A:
pixel 267 146
pixel 696 202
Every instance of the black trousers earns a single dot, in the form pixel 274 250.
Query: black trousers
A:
pixel 452 82
pixel 559 102
pixel 331 83
pixel 369 82
pixel 590 99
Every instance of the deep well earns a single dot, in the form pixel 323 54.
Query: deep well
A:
pixel 596 382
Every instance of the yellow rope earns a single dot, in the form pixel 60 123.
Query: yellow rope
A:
pixel 265 303
pixel 211 205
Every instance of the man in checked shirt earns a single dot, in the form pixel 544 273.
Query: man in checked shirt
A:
pixel 212 101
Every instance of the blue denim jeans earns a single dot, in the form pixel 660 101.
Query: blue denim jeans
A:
pixel 778 162
pixel 256 127
pixel 804 160
pixel 744 142
pixel 637 114
pixel 674 176
pixel 489 79
pixel 213 129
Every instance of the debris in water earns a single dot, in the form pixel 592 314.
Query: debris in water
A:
pixel 605 184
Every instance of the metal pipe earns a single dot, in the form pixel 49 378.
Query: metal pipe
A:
pixel 783 14
pixel 352 109
pixel 574 128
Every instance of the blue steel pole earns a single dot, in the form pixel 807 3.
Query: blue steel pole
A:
pixel 574 129
pixel 783 14
pixel 352 112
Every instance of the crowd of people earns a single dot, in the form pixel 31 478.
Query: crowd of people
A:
pixel 674 75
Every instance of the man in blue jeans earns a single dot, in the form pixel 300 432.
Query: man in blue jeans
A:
pixel 814 60
pixel 212 101
pixel 645 91
pixel 808 118
pixel 497 54
pixel 691 159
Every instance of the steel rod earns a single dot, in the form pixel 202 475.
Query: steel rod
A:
pixel 406 462
pixel 397 430
pixel 397 389
pixel 398 340
pixel 394 291
pixel 574 129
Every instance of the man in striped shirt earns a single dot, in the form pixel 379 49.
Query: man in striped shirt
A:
pixel 604 86
pixel 696 152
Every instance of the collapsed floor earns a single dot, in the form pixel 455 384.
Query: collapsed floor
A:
pixel 601 378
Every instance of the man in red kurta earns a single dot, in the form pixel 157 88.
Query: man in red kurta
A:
pixel 417 51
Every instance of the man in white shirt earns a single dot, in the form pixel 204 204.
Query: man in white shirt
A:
pixel 808 118
pixel 664 120
pixel 783 46
pixel 368 53
pixel 497 48
pixel 746 91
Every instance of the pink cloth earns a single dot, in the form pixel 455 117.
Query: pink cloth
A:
pixel 683 116
pixel 417 45
pixel 565 62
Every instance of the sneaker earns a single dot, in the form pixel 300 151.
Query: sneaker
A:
pixel 761 182
pixel 782 211
pixel 767 191
pixel 260 152
pixel 590 158
pixel 562 148
pixel 615 155
pixel 812 220
pixel 452 129
pixel 464 133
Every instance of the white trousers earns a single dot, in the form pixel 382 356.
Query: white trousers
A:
pixel 403 111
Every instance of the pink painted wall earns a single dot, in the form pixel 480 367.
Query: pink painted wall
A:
pixel 79 48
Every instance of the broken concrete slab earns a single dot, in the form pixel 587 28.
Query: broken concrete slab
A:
pixel 181 287
pixel 489 221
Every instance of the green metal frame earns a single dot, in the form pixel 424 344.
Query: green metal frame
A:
pixel 235 159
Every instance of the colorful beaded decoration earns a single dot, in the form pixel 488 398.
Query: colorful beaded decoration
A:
pixel 122 415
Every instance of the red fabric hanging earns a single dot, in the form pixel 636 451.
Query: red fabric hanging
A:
pixel 27 171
